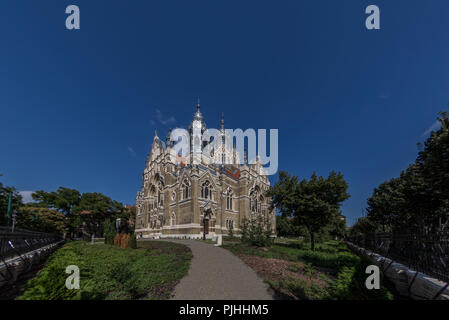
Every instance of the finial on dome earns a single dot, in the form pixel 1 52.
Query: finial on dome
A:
pixel 198 115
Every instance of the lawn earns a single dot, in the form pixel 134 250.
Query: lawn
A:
pixel 109 272
pixel 294 271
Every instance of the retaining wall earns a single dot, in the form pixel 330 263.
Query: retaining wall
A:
pixel 11 269
pixel 408 282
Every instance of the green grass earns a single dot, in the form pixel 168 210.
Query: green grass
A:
pixel 345 269
pixel 333 255
pixel 109 272
pixel 304 290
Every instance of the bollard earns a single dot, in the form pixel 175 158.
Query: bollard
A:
pixel 219 241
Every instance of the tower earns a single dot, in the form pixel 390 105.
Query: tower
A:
pixel 196 130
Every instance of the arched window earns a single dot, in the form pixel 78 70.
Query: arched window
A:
pixel 160 194
pixel 173 219
pixel 229 224
pixel 206 190
pixel 185 189
pixel 152 190
pixel 255 200
pixel 261 204
pixel 229 195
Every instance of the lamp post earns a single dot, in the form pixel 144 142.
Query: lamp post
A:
pixel 117 225
pixel 14 214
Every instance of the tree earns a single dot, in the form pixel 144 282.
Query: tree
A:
pixel 286 227
pixel 363 226
pixel 4 197
pixel 336 227
pixel 93 209
pixel 312 203
pixel 64 200
pixel 387 199
pixel 433 162
pixel 41 219
pixel 257 231
pixel 418 200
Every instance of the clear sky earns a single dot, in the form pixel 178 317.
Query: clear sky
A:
pixel 79 108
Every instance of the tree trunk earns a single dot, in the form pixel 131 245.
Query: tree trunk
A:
pixel 312 241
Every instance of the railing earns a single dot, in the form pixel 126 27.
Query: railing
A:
pixel 19 242
pixel 427 253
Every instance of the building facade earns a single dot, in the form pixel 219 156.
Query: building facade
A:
pixel 182 198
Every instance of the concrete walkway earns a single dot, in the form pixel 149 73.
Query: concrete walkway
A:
pixel 217 274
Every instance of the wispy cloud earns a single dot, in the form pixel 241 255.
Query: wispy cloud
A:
pixel 131 152
pixel 434 127
pixel 159 118
pixel 26 196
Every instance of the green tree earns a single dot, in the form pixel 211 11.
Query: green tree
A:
pixel 312 203
pixel 386 201
pixel 4 197
pixel 64 200
pixel 418 200
pixel 336 227
pixel 41 219
pixel 363 226
pixel 286 227
pixel 257 231
pixel 433 163
pixel 93 209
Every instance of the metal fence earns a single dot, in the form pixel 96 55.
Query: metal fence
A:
pixel 427 253
pixel 19 242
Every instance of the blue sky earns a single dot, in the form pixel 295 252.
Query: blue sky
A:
pixel 79 108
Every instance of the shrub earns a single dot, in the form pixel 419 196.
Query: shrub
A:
pixel 257 231
pixel 350 283
pixel 342 286
pixel 329 260
pixel 122 240
pixel 302 289
pixel 231 231
pixel 133 241
pixel 111 273
pixel 109 232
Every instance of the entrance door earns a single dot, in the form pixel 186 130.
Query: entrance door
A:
pixel 206 226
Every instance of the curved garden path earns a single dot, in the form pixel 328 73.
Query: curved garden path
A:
pixel 217 274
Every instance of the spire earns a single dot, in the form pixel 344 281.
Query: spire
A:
pixel 198 115
pixel 155 133
pixel 222 122
pixel 168 139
